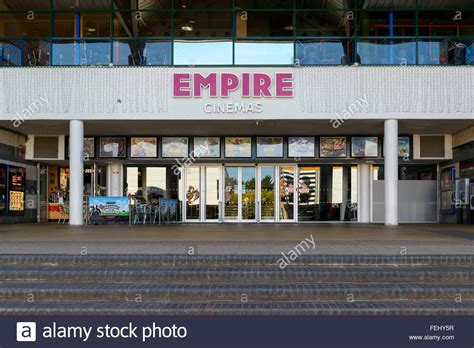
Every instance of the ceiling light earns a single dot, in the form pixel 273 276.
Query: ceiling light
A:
pixel 288 27
pixel 192 21
pixel 92 30
pixel 187 28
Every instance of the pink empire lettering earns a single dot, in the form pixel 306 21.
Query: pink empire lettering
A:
pixel 246 85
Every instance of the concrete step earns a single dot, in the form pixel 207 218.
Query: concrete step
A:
pixel 169 260
pixel 235 291
pixel 330 308
pixel 250 274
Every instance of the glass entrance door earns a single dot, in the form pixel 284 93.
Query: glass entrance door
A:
pixel 287 175
pixel 267 191
pixel 193 193
pixel 212 199
pixel 239 194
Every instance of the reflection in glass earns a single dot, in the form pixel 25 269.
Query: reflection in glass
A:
pixel 69 52
pixel 203 52
pixel 193 193
pixel 132 184
pixel 445 52
pixel 248 193
pixel 263 52
pixel 156 181
pixel 323 23
pixel 324 52
pixel 287 193
pixel 308 193
pixel 267 193
pixel 328 193
pixel 387 51
pixel 231 193
pixel 212 192
pixel 24 53
pixel 142 52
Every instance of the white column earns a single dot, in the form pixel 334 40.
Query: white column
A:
pixel 76 172
pixel 115 179
pixel 364 182
pixel 391 172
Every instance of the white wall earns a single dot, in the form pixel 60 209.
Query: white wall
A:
pixel 417 201
pixel 319 93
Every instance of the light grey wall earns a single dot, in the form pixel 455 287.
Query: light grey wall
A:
pixel 417 201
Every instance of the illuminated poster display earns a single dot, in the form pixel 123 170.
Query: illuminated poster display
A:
pixel 16 185
pixel 269 147
pixel 238 147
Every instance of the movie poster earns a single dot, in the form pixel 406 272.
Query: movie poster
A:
pixel 143 147
pixel 365 147
pixel 403 146
pixel 175 147
pixel 207 147
pixel 333 147
pixel 238 147
pixel 269 147
pixel 301 146
pixel 113 147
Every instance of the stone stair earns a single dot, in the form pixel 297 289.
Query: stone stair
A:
pixel 237 285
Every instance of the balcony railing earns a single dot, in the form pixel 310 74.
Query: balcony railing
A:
pixel 238 52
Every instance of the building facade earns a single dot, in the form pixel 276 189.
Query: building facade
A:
pixel 239 111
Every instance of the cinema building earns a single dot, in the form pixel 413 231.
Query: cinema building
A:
pixel 238 110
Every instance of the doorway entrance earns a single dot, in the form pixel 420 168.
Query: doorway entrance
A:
pixel 239 194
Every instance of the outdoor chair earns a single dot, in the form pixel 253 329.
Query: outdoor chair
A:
pixel 156 213
pixel 140 215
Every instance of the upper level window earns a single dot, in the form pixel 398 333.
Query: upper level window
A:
pixel 445 23
pixel 323 4
pixel 449 4
pixel 142 24
pixel 324 23
pixel 264 4
pixel 387 4
pixel 143 4
pixel 264 24
pixel 89 5
pixel 202 4
pixel 24 25
pixel 19 5
pixel 381 23
pixel 203 24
